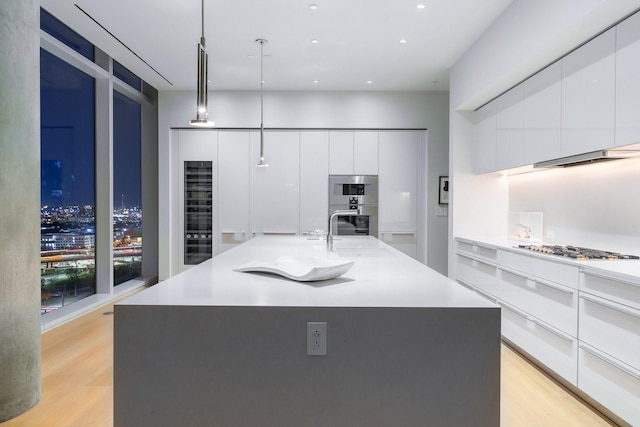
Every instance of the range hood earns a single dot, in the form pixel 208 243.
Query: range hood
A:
pixel 589 158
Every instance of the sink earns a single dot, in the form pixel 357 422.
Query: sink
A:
pixel 362 252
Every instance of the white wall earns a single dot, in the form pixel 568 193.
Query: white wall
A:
pixel 594 206
pixel 369 110
pixel 525 38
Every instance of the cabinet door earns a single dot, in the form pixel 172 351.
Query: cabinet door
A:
pixel 233 187
pixel 314 180
pixel 588 96
pixel 275 202
pixel 397 184
pixel 628 81
pixel 509 123
pixel 365 153
pixel 542 121
pixel 341 152
pixel 484 139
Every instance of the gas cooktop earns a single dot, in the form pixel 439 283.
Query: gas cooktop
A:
pixel 576 252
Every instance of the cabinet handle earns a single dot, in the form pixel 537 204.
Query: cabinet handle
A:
pixel 512 308
pixel 551 285
pixel 234 232
pixel 466 284
pixel 472 258
pixel 607 359
pixel 485 246
pixel 603 276
pixel 536 280
pixel 514 272
pixel 540 323
pixel 607 304
pixel 399 233
pixel 487 295
pixel 275 233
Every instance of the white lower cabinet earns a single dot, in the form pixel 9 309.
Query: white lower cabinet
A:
pixel 553 348
pixel 614 328
pixel 548 301
pixel 610 382
pixel 609 362
pixel 580 322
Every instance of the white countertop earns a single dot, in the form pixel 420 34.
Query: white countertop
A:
pixel 626 270
pixel 380 277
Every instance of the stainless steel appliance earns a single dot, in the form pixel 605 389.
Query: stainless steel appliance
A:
pixel 576 252
pixel 355 193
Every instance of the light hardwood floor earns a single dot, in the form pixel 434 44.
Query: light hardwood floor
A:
pixel 77 383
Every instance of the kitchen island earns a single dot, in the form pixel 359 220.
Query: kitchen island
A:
pixel 215 347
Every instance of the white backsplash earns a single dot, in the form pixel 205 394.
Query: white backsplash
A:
pixel 593 205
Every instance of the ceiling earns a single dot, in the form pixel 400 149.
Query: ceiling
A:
pixel 358 41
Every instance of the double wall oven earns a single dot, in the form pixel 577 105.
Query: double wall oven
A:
pixel 355 193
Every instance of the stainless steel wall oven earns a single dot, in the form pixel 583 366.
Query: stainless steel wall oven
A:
pixel 354 192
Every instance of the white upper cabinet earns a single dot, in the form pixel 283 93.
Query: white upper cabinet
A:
pixel 628 81
pixel 509 124
pixel 233 187
pixel 353 152
pixel 365 153
pixel 397 185
pixel 542 134
pixel 341 152
pixel 588 96
pixel 275 201
pixel 484 139
pixel 314 180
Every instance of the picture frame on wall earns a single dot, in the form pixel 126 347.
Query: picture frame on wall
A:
pixel 443 191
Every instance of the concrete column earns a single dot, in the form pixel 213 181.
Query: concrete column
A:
pixel 19 206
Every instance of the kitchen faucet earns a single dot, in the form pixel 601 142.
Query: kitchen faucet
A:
pixel 330 228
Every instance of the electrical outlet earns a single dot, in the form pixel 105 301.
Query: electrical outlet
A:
pixel 316 338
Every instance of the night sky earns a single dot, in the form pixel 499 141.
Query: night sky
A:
pixel 68 139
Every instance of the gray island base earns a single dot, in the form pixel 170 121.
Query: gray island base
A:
pixel 214 347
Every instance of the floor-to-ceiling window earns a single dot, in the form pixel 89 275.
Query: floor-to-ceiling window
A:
pixel 78 153
pixel 127 189
pixel 67 188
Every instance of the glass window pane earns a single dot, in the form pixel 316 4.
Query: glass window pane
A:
pixel 67 100
pixel 127 185
pixel 66 35
pixel 121 72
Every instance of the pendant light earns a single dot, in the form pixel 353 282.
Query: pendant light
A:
pixel 202 113
pixel 261 163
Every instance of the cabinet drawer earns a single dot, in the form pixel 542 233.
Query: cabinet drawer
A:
pixel 610 327
pixel 556 350
pixel 480 273
pixel 473 248
pixel 550 302
pixel 627 293
pixel 546 269
pixel 611 383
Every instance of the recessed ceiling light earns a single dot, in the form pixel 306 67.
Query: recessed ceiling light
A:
pixel 403 41
pixel 313 6
pixel 316 82
pixel 420 6
pixel 369 82
pixel 314 41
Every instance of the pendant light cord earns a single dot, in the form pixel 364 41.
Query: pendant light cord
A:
pixel 202 16
pixel 261 85
pixel 261 163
